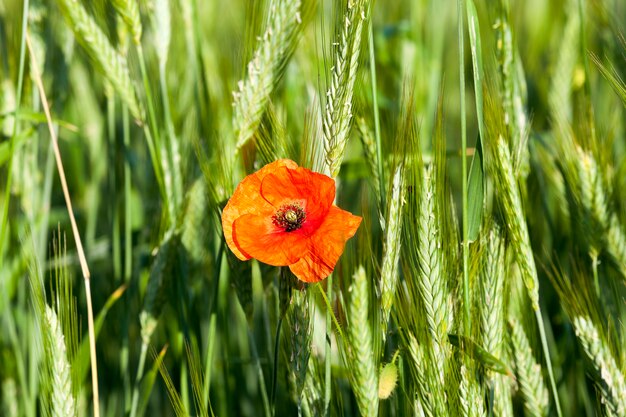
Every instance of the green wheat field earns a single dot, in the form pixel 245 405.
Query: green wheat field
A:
pixel 482 142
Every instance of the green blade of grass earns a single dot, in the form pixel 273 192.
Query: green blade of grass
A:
pixel 82 356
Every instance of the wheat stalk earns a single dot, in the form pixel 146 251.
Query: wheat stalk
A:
pixel 97 45
pixel 613 383
pixel 616 244
pixel 471 399
pixel 265 69
pixel 529 374
pixel 158 286
pixel 153 302
pixel 241 277
pixel 163 31
pixel 393 233
pixel 369 148
pixel 338 114
pixel 492 289
pixel 416 352
pixel 195 228
pixel 493 273
pixel 79 246
pixel 364 377
pixel 600 226
pixel 567 57
pixel 431 284
pixel 312 403
pixel 592 195
pixel 511 202
pixel 492 282
pixel 502 404
pixel 605 227
pixel 62 402
pixel 589 193
pixel 512 93
pixel 129 12
pixel 430 391
pixel 298 337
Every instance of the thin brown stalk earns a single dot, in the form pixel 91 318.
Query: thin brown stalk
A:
pixel 79 246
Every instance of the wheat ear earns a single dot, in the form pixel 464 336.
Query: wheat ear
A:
pixel 529 374
pixel 97 45
pixel 393 232
pixel 511 202
pixel 298 335
pixel 62 402
pixel 430 392
pixel 129 12
pixel 492 288
pixel 338 113
pixel 369 148
pixel 364 376
pixel 472 404
pixel 265 68
pixel 613 384
pixel 431 282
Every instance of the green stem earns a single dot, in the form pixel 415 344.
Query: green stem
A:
pixel 379 158
pixel 184 384
pixel 18 101
pixel 115 242
pixel 142 363
pixel 212 322
pixel 115 238
pixel 332 313
pixel 124 359
pixel 466 291
pixel 586 85
pixel 42 242
pixel 128 253
pixel 275 372
pixel 128 242
pixel 19 357
pixel 209 357
pixel 263 388
pixel 171 143
pixel 594 267
pixel 151 129
pixel 546 352
pixel 26 397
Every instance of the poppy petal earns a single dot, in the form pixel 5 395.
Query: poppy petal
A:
pixel 315 191
pixel 326 245
pixel 247 200
pixel 259 238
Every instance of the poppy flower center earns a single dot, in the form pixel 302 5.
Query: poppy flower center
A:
pixel 289 217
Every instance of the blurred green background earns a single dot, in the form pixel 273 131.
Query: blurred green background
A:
pixel 147 185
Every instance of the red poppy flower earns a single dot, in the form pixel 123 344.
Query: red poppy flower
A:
pixel 283 215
